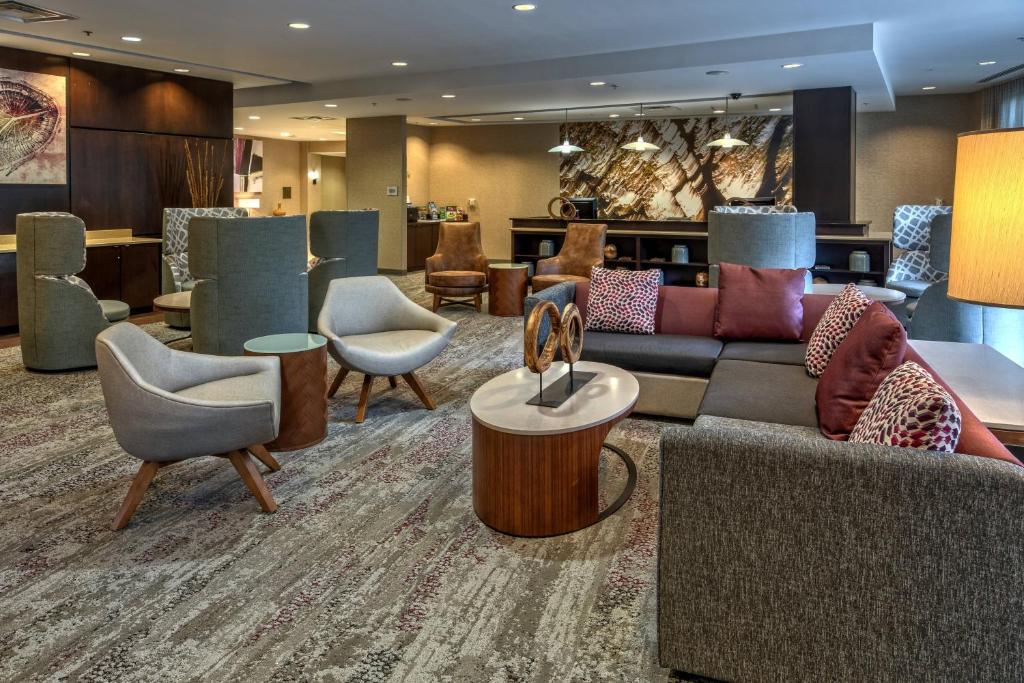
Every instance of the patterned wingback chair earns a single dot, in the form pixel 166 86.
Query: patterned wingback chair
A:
pixel 58 315
pixel 175 276
pixel 777 208
pixel 912 272
pixel 344 244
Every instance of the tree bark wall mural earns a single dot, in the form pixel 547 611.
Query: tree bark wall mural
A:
pixel 684 179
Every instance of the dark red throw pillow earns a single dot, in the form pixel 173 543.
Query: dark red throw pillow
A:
pixel 873 348
pixel 760 303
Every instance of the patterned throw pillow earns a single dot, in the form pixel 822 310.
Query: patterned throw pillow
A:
pixel 622 300
pixel 839 318
pixel 910 410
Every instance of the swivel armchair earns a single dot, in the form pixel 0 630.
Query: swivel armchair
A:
pixel 458 269
pixel 912 272
pixel 582 250
pixel 345 245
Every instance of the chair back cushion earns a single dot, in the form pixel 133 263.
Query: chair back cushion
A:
pixel 773 240
pixel 175 240
pixel 351 235
pixel 760 303
pixel 583 248
pixel 459 246
pixel 911 225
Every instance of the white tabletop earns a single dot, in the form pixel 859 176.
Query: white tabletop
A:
pixel 501 403
pixel 989 383
pixel 175 301
pixel 882 294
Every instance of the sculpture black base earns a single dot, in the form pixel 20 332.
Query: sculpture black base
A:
pixel 561 390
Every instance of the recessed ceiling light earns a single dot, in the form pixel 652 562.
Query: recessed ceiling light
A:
pixel 717 72
pixel 517 118
pixel 987 62
pixel 239 128
pixel 182 71
pixel 474 119
pixel 399 63
pixel 300 25
pixel 448 96
pixel 286 134
pixel 81 54
pixel 597 84
pixel 775 109
pixel 524 7
pixel 331 106
pixel 793 65
pixel 131 39
pixel 717 111
pixel 613 116
pixel 254 118
pixel 928 87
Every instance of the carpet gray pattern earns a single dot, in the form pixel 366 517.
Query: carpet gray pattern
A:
pixel 374 568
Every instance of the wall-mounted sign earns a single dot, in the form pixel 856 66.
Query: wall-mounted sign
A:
pixel 33 128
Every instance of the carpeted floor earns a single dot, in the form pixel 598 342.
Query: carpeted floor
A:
pixel 375 567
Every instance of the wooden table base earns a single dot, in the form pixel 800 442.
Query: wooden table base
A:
pixel 541 485
pixel 507 291
pixel 303 400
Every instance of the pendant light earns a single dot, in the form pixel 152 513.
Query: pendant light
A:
pixel 727 141
pixel 565 147
pixel 640 145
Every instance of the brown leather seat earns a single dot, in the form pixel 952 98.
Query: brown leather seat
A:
pixel 582 250
pixel 458 267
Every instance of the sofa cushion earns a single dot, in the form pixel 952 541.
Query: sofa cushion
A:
pixel 910 410
pixel 761 392
pixel 840 317
pixel 623 300
pixel 873 348
pixel 672 354
pixel 786 353
pixel 760 303
pixel 457 278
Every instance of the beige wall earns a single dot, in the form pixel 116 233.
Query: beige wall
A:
pixel 281 168
pixel 417 148
pixel 507 169
pixel 334 194
pixel 908 156
pixel 375 159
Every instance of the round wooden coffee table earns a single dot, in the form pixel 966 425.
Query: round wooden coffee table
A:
pixel 535 469
pixel 177 307
pixel 303 387
pixel 507 284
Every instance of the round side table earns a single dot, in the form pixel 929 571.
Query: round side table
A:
pixel 303 387
pixel 507 286
pixel 176 307
pixel 882 294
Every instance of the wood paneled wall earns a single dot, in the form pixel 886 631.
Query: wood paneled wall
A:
pixel 825 152
pixel 126 142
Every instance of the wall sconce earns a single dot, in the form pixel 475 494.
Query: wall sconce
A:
pixel 248 202
pixel 314 175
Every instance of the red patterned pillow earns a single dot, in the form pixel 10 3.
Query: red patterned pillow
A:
pixel 622 300
pixel 910 410
pixel 835 324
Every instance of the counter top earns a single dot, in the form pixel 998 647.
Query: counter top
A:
pixel 93 238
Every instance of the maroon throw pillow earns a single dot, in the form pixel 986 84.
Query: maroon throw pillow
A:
pixel 623 300
pixel 873 348
pixel 759 303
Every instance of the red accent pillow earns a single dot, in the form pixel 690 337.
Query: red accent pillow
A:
pixel 840 317
pixel 873 348
pixel 622 300
pixel 760 303
pixel 910 410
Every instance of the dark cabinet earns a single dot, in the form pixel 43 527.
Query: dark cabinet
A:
pixel 140 274
pixel 103 271
pixel 421 243
pixel 8 291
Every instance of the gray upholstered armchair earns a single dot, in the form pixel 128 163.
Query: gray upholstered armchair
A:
pixel 372 328
pixel 174 272
pixel 345 245
pixel 761 240
pixel 166 406
pixel 58 315
pixel 912 272
pixel 250 280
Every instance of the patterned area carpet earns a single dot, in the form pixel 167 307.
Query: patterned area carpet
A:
pixel 375 567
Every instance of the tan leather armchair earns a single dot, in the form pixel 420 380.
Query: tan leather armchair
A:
pixel 458 269
pixel 582 250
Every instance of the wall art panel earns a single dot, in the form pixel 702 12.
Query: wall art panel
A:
pixel 248 174
pixel 33 128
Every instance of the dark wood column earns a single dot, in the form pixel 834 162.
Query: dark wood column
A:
pixel 825 152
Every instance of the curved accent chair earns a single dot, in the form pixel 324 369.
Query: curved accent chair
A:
pixel 166 406
pixel 174 273
pixel 939 318
pixel 582 249
pixel 912 272
pixel 344 244
pixel 374 329
pixel 761 240
pixel 250 280
pixel 458 267
pixel 58 315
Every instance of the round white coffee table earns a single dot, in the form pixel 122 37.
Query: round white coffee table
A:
pixel 535 469
pixel 881 294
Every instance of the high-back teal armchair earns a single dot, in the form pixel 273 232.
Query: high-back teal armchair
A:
pixel 345 245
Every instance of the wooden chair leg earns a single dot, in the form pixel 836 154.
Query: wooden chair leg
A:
pixel 264 456
pixel 393 382
pixel 477 300
pixel 437 303
pixel 140 483
pixel 414 382
pixel 253 479
pixel 338 379
pixel 364 397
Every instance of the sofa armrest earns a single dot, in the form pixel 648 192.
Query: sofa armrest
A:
pixel 561 294
pixel 788 557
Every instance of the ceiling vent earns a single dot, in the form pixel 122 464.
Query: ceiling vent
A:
pixel 1001 74
pixel 314 118
pixel 28 14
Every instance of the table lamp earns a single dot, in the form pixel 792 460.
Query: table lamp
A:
pixel 987 249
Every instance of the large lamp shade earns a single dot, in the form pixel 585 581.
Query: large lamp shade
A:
pixel 987 250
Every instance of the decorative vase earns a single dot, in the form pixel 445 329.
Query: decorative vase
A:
pixel 610 251
pixel 702 278
pixel 279 211
pixel 860 261
pixel 547 248
pixel 680 254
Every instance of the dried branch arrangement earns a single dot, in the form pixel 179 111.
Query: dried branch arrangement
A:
pixel 202 173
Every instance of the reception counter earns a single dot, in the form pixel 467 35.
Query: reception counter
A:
pixel 645 244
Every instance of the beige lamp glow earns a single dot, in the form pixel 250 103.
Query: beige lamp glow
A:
pixel 987 250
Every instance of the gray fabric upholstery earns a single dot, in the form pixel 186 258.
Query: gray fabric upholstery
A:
pixel 250 280
pixel 787 558
pixel 762 392
pixel 371 327
pixel 345 245
pixel 775 240
pixel 172 405
pixel 58 315
pixel 670 354
pixel 941 239
pixel 113 310
pixel 174 272
pixel 765 352
pixel 561 294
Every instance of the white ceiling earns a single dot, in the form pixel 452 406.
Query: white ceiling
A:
pixel 498 60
